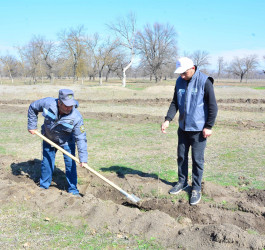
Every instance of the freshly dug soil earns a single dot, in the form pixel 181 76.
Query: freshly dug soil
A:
pixel 226 220
pixel 223 222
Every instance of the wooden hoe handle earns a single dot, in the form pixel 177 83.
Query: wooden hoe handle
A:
pixel 77 160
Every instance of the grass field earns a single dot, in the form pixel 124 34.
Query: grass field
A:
pixel 234 154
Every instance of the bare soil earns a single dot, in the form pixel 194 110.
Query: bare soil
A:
pixel 18 106
pixel 229 219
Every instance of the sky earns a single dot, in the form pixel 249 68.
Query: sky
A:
pixel 225 28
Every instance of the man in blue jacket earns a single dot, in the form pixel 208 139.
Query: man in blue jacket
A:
pixel 194 98
pixel 63 124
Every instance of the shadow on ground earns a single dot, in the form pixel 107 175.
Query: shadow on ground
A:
pixel 121 171
pixel 32 170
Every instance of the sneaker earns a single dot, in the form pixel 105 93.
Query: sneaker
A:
pixel 195 197
pixel 178 188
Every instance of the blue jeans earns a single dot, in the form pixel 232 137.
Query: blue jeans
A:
pixel 197 142
pixel 47 167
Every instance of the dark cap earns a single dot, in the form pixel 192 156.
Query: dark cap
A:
pixel 67 97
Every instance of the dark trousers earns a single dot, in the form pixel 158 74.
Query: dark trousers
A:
pixel 197 142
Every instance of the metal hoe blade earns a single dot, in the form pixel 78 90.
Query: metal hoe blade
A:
pixel 133 198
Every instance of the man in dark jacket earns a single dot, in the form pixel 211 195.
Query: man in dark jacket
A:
pixel 63 124
pixel 194 98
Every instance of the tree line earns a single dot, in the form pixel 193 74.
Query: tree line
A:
pixel 150 52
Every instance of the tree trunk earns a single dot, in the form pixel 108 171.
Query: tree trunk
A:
pixel 52 78
pixel 124 71
pixel 107 75
pixel 74 71
pixel 241 77
pixel 10 74
pixel 123 78
pixel 100 78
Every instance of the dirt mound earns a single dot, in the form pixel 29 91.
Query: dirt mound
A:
pixel 224 221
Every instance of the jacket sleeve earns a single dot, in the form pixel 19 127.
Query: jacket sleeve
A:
pixel 209 98
pixel 81 141
pixel 34 109
pixel 173 108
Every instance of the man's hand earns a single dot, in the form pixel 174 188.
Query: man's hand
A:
pixel 164 126
pixel 83 164
pixel 207 132
pixel 32 131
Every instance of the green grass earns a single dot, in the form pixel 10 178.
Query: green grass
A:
pixel 141 147
pixel 261 87
pixel 21 228
pixel 128 148
pixel 133 87
pixel 2 150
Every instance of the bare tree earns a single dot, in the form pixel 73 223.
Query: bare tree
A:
pixel 242 66
pixel 200 58
pixel 48 54
pixel 103 53
pixel 73 45
pixel 91 65
pixel 169 69
pixel 31 56
pixel 113 64
pixel 122 63
pixel 10 65
pixel 221 66
pixel 125 31
pixel 21 62
pixel 157 48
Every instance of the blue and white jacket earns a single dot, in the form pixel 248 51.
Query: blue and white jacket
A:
pixel 63 130
pixel 195 111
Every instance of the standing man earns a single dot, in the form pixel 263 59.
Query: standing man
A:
pixel 63 124
pixel 194 98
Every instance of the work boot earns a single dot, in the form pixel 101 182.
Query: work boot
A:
pixel 178 188
pixel 195 197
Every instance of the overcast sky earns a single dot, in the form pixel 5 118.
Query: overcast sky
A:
pixel 225 28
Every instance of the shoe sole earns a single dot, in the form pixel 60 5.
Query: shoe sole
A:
pixel 195 203
pixel 179 190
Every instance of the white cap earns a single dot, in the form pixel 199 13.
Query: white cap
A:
pixel 183 64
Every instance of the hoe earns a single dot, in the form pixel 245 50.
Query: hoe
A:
pixel 131 197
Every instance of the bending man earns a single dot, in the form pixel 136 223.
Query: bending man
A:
pixel 63 124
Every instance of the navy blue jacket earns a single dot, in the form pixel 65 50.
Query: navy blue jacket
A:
pixel 63 130
pixel 195 101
